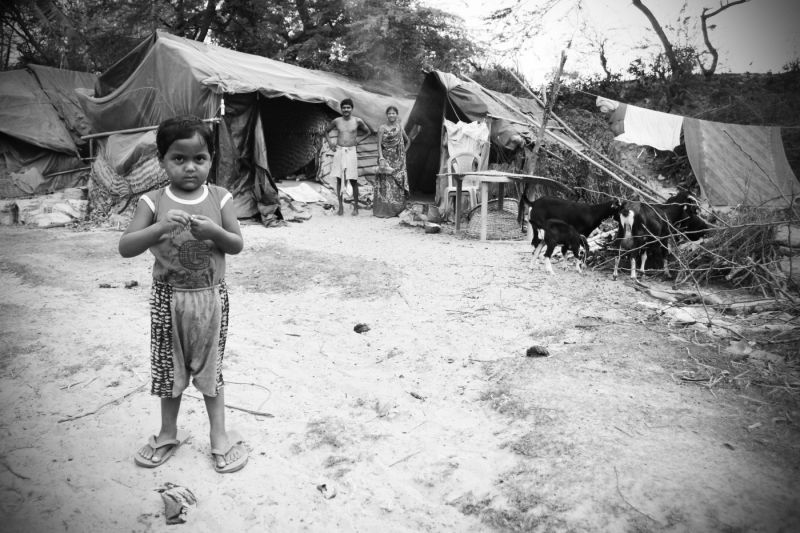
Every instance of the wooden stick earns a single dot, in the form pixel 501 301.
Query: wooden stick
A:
pixel 407 457
pixel 548 110
pixel 115 401
pixel 12 470
pixel 629 503
pixel 243 409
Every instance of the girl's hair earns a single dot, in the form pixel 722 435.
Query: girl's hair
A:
pixel 182 127
pixel 346 101
pixel 392 108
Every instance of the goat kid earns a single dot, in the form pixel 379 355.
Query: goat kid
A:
pixel 559 233
pixel 584 218
pixel 644 227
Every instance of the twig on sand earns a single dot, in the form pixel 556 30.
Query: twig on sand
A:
pixel 8 467
pixel 243 409
pixel 406 458
pixel 403 296
pixel 84 383
pixel 623 431
pixel 112 402
pixel 415 427
pixel 251 384
pixel 616 474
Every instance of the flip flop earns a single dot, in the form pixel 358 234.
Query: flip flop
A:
pixel 234 439
pixel 173 444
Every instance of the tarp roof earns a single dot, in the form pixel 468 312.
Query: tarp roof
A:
pixel 513 122
pixel 168 75
pixel 511 115
pixel 40 106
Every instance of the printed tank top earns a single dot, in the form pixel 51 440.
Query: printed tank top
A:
pixel 181 260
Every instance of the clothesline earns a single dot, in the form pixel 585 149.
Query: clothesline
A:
pixel 608 98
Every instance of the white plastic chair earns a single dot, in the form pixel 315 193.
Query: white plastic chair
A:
pixel 462 162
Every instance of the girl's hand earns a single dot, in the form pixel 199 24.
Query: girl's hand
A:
pixel 177 219
pixel 202 227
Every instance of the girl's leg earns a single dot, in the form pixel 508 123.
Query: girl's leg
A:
pixel 215 405
pixel 169 427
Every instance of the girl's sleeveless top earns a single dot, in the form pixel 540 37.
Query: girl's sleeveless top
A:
pixel 181 260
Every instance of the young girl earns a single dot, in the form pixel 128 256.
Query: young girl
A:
pixel 188 226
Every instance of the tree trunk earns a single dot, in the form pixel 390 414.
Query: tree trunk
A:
pixel 205 22
pixel 604 61
pixel 668 51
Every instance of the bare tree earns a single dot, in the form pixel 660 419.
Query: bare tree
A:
pixel 704 16
pixel 676 66
pixel 668 49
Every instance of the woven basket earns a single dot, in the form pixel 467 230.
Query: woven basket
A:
pixel 501 225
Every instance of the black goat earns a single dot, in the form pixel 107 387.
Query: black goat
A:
pixel 557 232
pixel 649 228
pixel 584 218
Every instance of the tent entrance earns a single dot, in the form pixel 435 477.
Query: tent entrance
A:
pixel 293 132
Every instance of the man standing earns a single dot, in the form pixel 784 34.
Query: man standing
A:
pixel 345 158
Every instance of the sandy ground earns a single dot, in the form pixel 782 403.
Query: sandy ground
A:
pixel 433 420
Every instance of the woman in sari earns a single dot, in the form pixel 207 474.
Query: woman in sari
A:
pixel 391 181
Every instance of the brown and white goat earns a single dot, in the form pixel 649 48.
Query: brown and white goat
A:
pixel 650 228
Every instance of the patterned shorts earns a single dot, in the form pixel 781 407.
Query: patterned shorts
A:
pixel 170 369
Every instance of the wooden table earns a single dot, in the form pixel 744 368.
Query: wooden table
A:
pixel 484 178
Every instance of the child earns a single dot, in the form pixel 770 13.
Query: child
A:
pixel 188 226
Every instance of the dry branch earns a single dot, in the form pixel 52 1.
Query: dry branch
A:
pixel 112 402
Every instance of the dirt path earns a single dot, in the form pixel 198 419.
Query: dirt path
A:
pixel 433 420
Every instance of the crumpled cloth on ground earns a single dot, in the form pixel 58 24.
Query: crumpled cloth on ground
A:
pixel 178 501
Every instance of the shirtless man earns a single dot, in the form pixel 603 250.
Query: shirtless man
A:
pixel 345 158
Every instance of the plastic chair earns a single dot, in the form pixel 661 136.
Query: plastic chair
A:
pixel 462 162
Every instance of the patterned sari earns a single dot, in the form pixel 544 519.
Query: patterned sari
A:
pixel 391 181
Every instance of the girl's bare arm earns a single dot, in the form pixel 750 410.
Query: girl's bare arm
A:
pixel 142 233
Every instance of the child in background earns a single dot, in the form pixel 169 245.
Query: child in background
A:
pixel 189 227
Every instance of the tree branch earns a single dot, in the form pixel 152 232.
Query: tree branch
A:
pixel 704 16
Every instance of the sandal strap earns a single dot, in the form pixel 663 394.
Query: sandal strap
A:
pixel 156 445
pixel 234 439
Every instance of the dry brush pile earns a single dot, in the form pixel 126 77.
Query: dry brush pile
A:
pixel 750 249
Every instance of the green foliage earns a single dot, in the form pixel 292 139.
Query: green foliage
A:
pixel 365 39
pixel 792 66
pixel 499 78
pixel 658 68
pixel 397 41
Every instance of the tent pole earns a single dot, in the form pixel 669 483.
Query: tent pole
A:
pixel 548 110
pixel 132 130
pixel 652 196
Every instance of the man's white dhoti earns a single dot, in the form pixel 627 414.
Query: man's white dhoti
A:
pixel 345 166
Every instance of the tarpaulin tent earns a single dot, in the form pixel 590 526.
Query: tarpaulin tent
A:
pixel 444 96
pixel 734 164
pixel 41 124
pixel 272 113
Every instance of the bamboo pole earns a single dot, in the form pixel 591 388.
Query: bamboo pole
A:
pixel 548 110
pixel 133 130
pixel 650 195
